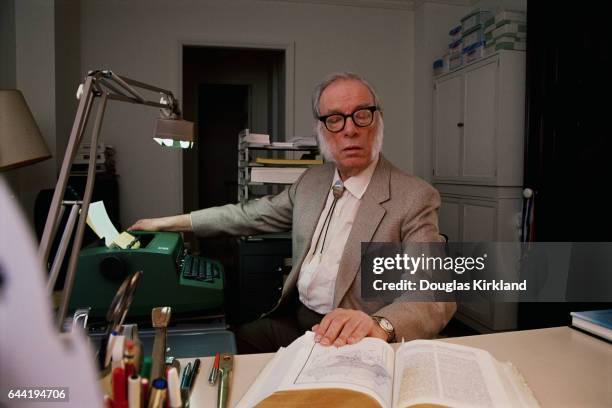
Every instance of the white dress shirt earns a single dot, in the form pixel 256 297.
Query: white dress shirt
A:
pixel 317 279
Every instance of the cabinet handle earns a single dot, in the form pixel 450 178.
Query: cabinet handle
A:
pixel 460 124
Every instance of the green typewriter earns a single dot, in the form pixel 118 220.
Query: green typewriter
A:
pixel 191 285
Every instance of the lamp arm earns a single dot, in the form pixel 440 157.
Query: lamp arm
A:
pixel 128 84
pixel 78 239
pixel 74 141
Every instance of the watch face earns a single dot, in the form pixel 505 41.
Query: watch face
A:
pixel 386 325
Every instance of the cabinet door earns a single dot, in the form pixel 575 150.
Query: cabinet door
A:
pixel 479 134
pixel 449 219
pixel 479 221
pixel 447 131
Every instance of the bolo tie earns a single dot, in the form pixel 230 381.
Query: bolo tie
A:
pixel 337 191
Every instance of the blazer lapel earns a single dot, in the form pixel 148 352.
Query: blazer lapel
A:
pixel 316 195
pixel 367 220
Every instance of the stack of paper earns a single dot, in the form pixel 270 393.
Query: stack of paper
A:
pixel 100 223
pixel 304 141
pixel 282 175
pixel 258 138
pixel 283 144
pixel 297 162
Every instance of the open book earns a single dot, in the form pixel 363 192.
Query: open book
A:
pixel 371 374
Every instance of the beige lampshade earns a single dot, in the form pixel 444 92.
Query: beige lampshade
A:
pixel 20 140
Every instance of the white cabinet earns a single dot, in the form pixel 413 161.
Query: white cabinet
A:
pixel 480 213
pixel 479 122
pixel 478 134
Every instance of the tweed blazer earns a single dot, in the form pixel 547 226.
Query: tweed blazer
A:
pixel 396 207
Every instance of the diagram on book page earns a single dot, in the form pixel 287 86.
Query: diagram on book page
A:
pixel 362 364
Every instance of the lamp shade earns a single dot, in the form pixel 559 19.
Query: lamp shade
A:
pixel 20 140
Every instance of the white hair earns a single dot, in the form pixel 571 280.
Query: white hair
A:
pixel 340 76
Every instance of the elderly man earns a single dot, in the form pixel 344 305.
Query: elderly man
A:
pixel 357 196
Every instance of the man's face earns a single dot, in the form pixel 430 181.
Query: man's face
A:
pixel 352 146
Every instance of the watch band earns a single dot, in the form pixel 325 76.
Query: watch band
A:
pixel 386 326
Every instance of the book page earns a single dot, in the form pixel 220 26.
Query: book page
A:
pixel 517 389
pixel 446 374
pixel 365 367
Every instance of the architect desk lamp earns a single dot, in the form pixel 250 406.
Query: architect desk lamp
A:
pixel 170 130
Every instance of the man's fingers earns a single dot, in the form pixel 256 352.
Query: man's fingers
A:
pixel 140 225
pixel 347 331
pixel 334 328
pixel 321 328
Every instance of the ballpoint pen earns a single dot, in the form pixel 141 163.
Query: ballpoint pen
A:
pixel 186 376
pixel 194 373
pixel 214 371
pixel 189 376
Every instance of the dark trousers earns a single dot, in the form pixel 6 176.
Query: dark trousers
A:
pixel 277 330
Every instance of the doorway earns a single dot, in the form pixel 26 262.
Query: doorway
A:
pixel 225 90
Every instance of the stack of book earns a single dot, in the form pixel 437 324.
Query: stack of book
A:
pixel 506 31
pixel 105 159
pixel 595 322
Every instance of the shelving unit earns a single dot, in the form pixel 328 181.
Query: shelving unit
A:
pixel 264 260
pixel 247 155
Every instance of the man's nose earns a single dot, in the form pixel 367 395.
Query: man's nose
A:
pixel 350 129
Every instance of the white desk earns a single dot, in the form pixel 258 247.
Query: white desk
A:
pixel 562 366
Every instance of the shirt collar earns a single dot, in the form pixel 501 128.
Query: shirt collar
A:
pixel 358 184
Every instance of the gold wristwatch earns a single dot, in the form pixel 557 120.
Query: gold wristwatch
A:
pixel 386 326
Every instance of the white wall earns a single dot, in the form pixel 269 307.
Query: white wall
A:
pixel 35 77
pixel 432 24
pixel 141 39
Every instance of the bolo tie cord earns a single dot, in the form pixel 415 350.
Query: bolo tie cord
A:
pixel 337 190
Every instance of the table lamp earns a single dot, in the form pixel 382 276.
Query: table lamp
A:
pixel 170 130
pixel 21 143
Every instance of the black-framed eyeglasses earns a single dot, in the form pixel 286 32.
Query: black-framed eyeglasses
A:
pixel 362 117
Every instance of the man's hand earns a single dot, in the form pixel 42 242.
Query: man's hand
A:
pixel 146 224
pixel 346 326
pixel 177 223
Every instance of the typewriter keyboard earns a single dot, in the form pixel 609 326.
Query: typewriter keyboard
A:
pixel 201 269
